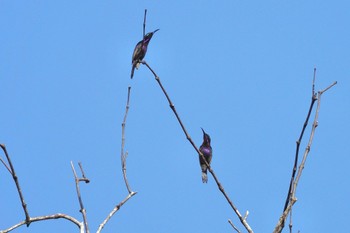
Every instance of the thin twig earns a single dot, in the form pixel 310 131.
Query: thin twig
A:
pixel 233 226
pixel 15 178
pixel 7 167
pixel 283 217
pixel 82 209
pixel 86 180
pixel 123 155
pixel 144 24
pixel 48 217
pixel 123 160
pixel 115 209
pixel 221 188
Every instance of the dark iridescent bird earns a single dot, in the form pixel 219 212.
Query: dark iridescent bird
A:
pixel 140 51
pixel 207 151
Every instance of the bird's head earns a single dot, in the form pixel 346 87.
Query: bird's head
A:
pixel 148 36
pixel 206 137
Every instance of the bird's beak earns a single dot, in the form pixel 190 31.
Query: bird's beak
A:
pixel 156 31
pixel 203 130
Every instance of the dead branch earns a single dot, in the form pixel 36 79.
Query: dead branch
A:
pixel 221 188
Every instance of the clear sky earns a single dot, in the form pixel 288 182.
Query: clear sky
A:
pixel 242 70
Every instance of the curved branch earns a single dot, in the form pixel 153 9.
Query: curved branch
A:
pixel 48 217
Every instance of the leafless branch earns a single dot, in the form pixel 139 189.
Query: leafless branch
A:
pixel 221 188
pixel 77 180
pixel 292 198
pixel 48 217
pixel 15 178
pixel 233 226
pixel 123 155
pixel 123 161
pixel 313 99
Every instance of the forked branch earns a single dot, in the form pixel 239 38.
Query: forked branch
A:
pixel 291 199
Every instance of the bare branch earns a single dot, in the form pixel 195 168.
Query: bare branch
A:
pixel 313 99
pixel 221 188
pixel 233 226
pixel 15 178
pixel 48 217
pixel 123 160
pixel 124 155
pixel 82 209
pixel 282 219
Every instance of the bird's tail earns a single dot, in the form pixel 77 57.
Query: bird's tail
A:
pixel 204 177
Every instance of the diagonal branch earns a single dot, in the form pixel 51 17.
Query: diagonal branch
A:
pixel 221 188
pixel 15 178
pixel 77 180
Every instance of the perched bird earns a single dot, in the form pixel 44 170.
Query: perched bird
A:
pixel 207 151
pixel 140 51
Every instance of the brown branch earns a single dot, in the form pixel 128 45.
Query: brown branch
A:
pixel 77 180
pixel 293 199
pixel 221 188
pixel 123 161
pixel 47 217
pixel 15 178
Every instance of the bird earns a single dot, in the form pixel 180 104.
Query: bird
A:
pixel 140 51
pixel 207 152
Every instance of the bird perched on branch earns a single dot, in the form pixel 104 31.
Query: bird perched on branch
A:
pixel 140 51
pixel 207 151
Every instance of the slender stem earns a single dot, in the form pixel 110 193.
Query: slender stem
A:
pixel 82 209
pixel 221 188
pixel 124 155
pixel 15 178
pixel 123 161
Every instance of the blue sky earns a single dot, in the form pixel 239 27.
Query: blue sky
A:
pixel 241 70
